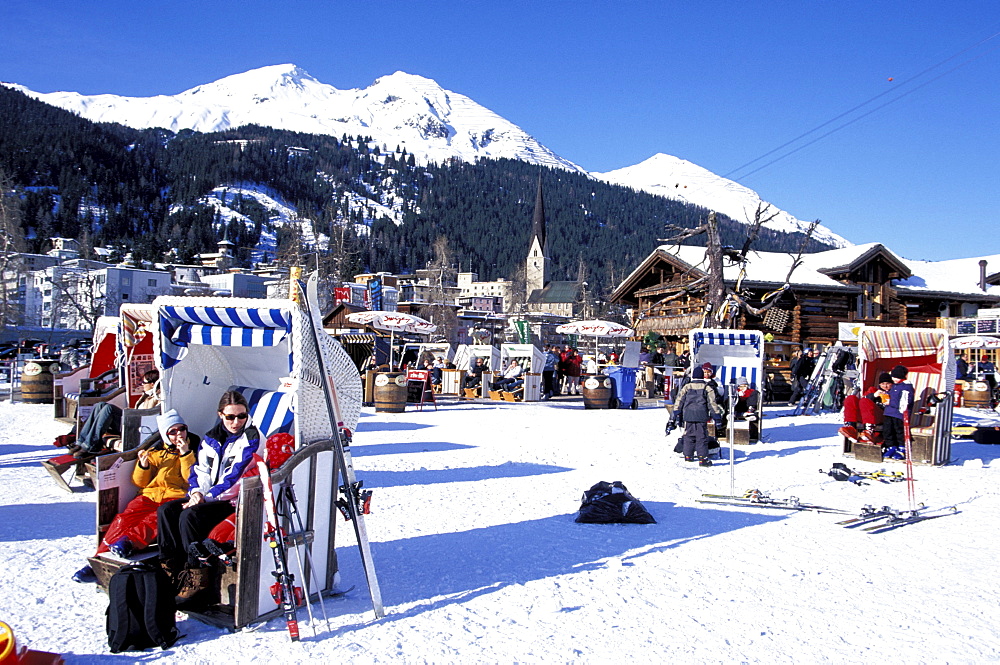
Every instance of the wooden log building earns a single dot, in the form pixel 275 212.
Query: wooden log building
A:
pixel 866 284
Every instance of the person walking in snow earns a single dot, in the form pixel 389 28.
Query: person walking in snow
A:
pixel 695 406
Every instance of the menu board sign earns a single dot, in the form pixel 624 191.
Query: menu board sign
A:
pixel 986 326
pixel 965 326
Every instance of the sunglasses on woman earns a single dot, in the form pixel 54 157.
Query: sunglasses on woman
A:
pixel 235 416
pixel 180 429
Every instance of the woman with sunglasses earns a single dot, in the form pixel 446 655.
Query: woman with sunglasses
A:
pixel 224 455
pixel 162 474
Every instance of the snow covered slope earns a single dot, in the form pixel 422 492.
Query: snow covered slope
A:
pixel 676 178
pixel 401 109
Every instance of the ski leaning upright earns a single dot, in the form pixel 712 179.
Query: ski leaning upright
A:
pixel 284 587
pixel 353 500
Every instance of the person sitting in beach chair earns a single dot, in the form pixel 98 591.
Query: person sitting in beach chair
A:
pixel 162 473
pixel 224 455
pixel 474 377
pixel 511 378
pixel 106 418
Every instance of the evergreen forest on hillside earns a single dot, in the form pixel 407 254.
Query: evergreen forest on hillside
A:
pixel 139 191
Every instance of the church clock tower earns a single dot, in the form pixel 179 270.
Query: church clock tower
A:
pixel 537 266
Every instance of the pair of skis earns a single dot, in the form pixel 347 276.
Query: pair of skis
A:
pixel 757 499
pixel 353 502
pixel 285 593
pixel 880 520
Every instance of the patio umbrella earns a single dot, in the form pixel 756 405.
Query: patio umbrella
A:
pixel 393 322
pixel 597 328
pixel 975 342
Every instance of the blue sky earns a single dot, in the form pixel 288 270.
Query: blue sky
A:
pixel 609 84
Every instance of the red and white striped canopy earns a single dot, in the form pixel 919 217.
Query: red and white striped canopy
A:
pixel 393 321
pixel 975 342
pixel 595 328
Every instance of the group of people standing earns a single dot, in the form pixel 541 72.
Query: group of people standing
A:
pixel 561 372
pixel 187 486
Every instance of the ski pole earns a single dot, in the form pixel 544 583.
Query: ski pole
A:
pixel 282 507
pixel 732 439
pixel 298 524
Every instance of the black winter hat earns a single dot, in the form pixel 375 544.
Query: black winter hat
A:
pixel 697 373
pixel 899 372
pixel 885 377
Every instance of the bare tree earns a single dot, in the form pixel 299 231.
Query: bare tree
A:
pixel 80 290
pixel 723 304
pixel 341 248
pixel 12 244
pixel 442 274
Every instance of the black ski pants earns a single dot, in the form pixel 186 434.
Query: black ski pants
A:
pixel 695 439
pixel 893 432
pixel 179 526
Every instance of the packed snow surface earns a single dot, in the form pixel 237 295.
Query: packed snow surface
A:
pixel 480 560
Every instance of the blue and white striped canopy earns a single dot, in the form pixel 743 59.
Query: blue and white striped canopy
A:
pixel 218 326
pixel 733 366
pixel 735 338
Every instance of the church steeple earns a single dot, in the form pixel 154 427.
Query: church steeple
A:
pixel 538 219
pixel 537 265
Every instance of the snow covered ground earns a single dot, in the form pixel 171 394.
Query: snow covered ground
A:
pixel 480 560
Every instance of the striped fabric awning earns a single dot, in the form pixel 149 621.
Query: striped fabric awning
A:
pixel 357 338
pixel 270 410
pixel 735 338
pixel 746 361
pixel 903 343
pixel 218 326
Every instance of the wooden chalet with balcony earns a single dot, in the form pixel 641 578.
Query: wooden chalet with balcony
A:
pixel 860 284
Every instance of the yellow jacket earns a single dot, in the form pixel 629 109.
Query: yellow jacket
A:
pixel 167 475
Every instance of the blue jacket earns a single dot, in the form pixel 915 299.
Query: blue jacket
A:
pixel 222 459
pixel 900 399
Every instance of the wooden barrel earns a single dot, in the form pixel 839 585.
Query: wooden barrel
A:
pixel 976 394
pixel 36 381
pixel 390 392
pixel 597 391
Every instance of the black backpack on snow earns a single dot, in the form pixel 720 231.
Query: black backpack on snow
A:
pixel 611 503
pixel 141 609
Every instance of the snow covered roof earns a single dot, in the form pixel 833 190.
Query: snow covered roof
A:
pixel 958 276
pixel 954 276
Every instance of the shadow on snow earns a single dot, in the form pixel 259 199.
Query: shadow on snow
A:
pixel 471 563
pixel 46 521
pixel 457 475
pixel 368 450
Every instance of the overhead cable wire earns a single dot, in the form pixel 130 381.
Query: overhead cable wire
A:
pixel 862 105
pixel 855 119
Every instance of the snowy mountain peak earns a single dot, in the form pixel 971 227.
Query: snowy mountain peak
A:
pixel 676 178
pixel 407 110
pixel 285 81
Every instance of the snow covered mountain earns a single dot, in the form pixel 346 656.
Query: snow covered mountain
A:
pixel 676 178
pixel 410 111
pixel 404 110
